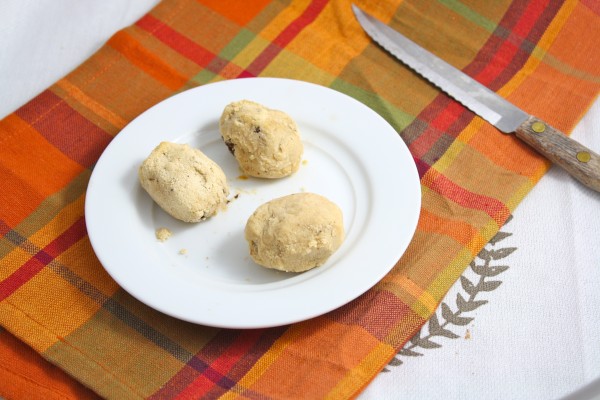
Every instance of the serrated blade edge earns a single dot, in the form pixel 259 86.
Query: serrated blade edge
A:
pixel 482 101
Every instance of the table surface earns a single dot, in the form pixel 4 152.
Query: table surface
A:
pixel 536 335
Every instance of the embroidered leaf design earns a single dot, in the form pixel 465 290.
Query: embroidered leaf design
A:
pixel 438 323
pixel 501 253
pixel 453 318
pixel 394 362
pixel 461 303
pixel 409 353
pixel 415 339
pixel 488 270
pixel 484 254
pixel 447 333
pixel 468 286
pixel 466 306
pixel 447 312
pixel 461 320
pixel 499 236
pixel 434 324
pixel 488 286
pixel 428 344
pixel 456 320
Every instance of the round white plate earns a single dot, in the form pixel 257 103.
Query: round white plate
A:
pixel 352 156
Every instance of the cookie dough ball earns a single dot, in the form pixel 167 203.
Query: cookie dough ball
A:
pixel 295 233
pixel 265 142
pixel 184 182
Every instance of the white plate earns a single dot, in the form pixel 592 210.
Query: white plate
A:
pixel 352 156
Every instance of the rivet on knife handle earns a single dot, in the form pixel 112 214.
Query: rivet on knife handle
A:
pixel 579 161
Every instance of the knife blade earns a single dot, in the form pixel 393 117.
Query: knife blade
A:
pixel 579 161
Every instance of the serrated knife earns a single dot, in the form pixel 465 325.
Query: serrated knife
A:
pixel 579 161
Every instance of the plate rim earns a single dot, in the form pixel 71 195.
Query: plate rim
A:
pixel 280 82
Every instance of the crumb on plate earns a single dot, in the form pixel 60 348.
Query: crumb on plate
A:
pixel 163 234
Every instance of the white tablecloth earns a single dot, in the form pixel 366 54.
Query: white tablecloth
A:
pixel 537 335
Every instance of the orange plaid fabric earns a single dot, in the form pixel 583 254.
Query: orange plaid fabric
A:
pixel 56 297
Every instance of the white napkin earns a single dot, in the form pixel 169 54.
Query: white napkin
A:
pixel 537 335
pixel 43 40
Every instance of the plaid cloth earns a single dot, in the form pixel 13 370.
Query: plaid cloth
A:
pixel 56 297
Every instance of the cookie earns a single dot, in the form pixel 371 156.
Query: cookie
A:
pixel 295 233
pixel 184 182
pixel 265 142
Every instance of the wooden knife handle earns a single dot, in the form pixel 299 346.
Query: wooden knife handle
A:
pixel 579 161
